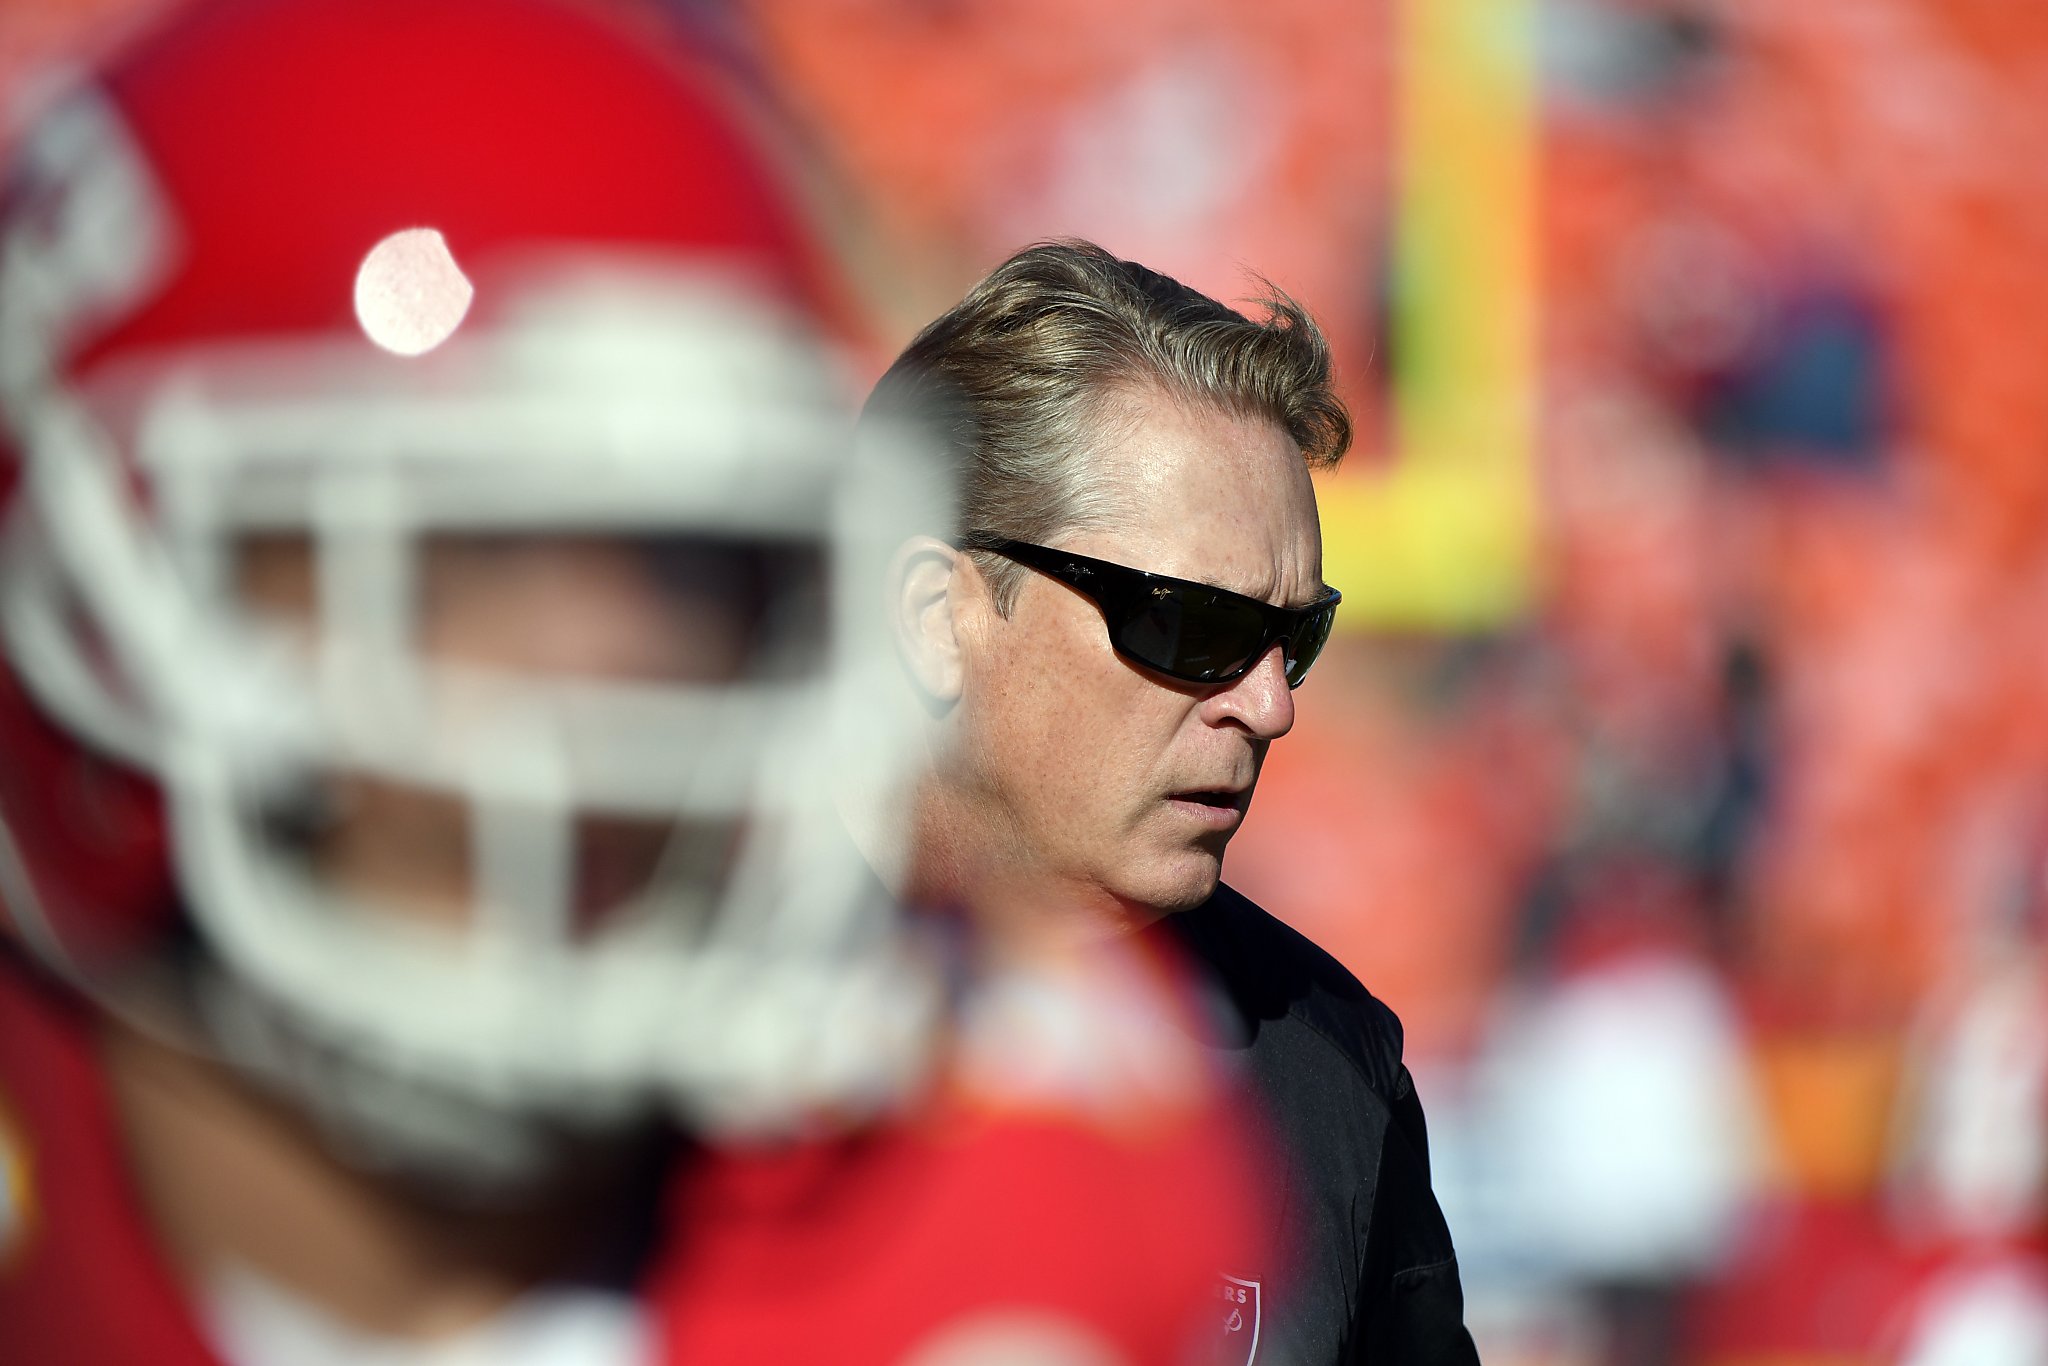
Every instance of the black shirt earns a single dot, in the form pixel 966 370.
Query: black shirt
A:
pixel 1372 1275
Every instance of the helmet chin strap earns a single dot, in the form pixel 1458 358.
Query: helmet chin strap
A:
pixel 440 1144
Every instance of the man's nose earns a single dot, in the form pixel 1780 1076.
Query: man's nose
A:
pixel 1260 701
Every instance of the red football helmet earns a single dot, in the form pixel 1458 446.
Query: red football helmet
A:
pixel 357 278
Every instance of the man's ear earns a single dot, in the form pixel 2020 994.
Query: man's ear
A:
pixel 923 593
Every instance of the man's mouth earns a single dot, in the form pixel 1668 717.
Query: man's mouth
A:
pixel 1221 807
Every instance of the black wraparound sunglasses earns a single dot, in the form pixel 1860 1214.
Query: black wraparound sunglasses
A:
pixel 1191 631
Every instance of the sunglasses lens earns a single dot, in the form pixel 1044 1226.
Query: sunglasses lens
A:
pixel 1307 643
pixel 1195 636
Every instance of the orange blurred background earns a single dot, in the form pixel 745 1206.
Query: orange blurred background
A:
pixel 1705 865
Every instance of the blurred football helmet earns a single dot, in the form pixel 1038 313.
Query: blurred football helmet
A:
pixel 339 285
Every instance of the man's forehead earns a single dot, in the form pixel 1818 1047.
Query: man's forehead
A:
pixel 1143 440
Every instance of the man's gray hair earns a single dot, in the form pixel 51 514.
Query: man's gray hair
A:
pixel 1027 372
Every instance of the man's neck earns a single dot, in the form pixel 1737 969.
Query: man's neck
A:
pixel 234 1180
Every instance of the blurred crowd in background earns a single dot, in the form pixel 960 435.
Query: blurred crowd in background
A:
pixel 1705 852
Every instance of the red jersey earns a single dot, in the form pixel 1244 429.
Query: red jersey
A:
pixel 981 1225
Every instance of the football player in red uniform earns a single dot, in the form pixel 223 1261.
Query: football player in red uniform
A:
pixel 433 647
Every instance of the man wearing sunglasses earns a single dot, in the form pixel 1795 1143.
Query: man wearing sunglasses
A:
pixel 1104 656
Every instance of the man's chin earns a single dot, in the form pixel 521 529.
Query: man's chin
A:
pixel 1184 884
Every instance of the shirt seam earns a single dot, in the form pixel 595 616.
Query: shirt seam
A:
pixel 1350 1061
pixel 1416 1272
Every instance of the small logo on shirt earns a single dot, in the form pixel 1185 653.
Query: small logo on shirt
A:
pixel 1240 1320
